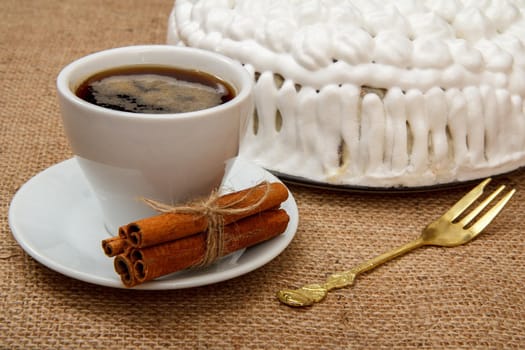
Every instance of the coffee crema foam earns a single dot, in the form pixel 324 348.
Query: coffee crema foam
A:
pixel 151 93
pixel 155 90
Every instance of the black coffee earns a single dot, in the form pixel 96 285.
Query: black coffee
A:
pixel 155 89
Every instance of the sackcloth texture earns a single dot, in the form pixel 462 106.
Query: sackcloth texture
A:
pixel 469 297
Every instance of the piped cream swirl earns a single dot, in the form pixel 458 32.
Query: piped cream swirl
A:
pixel 303 39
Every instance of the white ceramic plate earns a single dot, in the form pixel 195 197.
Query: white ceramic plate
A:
pixel 56 219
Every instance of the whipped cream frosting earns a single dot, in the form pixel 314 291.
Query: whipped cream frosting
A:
pixel 315 42
pixel 369 92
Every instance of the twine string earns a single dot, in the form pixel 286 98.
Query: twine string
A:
pixel 214 213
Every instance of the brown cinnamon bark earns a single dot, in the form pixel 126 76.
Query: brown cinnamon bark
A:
pixel 123 232
pixel 114 246
pixel 172 226
pixel 155 261
pixel 124 267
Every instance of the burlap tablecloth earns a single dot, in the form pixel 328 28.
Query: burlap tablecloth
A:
pixel 467 297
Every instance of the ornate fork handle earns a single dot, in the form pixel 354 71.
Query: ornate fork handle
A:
pixel 313 293
pixel 450 230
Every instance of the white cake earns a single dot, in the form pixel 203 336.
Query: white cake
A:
pixel 374 93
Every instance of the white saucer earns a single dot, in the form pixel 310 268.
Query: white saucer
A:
pixel 56 219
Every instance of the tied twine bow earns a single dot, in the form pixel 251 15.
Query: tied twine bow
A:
pixel 214 213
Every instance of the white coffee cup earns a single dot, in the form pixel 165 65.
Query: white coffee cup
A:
pixel 166 157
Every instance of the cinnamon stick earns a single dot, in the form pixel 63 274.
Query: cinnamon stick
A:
pixel 171 226
pixel 114 246
pixel 123 232
pixel 158 260
pixel 124 267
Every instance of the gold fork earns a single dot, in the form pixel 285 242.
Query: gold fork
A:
pixel 448 231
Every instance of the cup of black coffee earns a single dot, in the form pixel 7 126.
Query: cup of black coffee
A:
pixel 154 121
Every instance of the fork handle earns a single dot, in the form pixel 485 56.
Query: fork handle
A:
pixel 346 278
pixel 313 293
pixel 385 257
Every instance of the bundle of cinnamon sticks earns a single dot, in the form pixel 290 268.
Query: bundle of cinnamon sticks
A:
pixel 197 234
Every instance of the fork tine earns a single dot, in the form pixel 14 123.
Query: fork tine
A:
pixel 491 214
pixel 466 201
pixel 470 216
